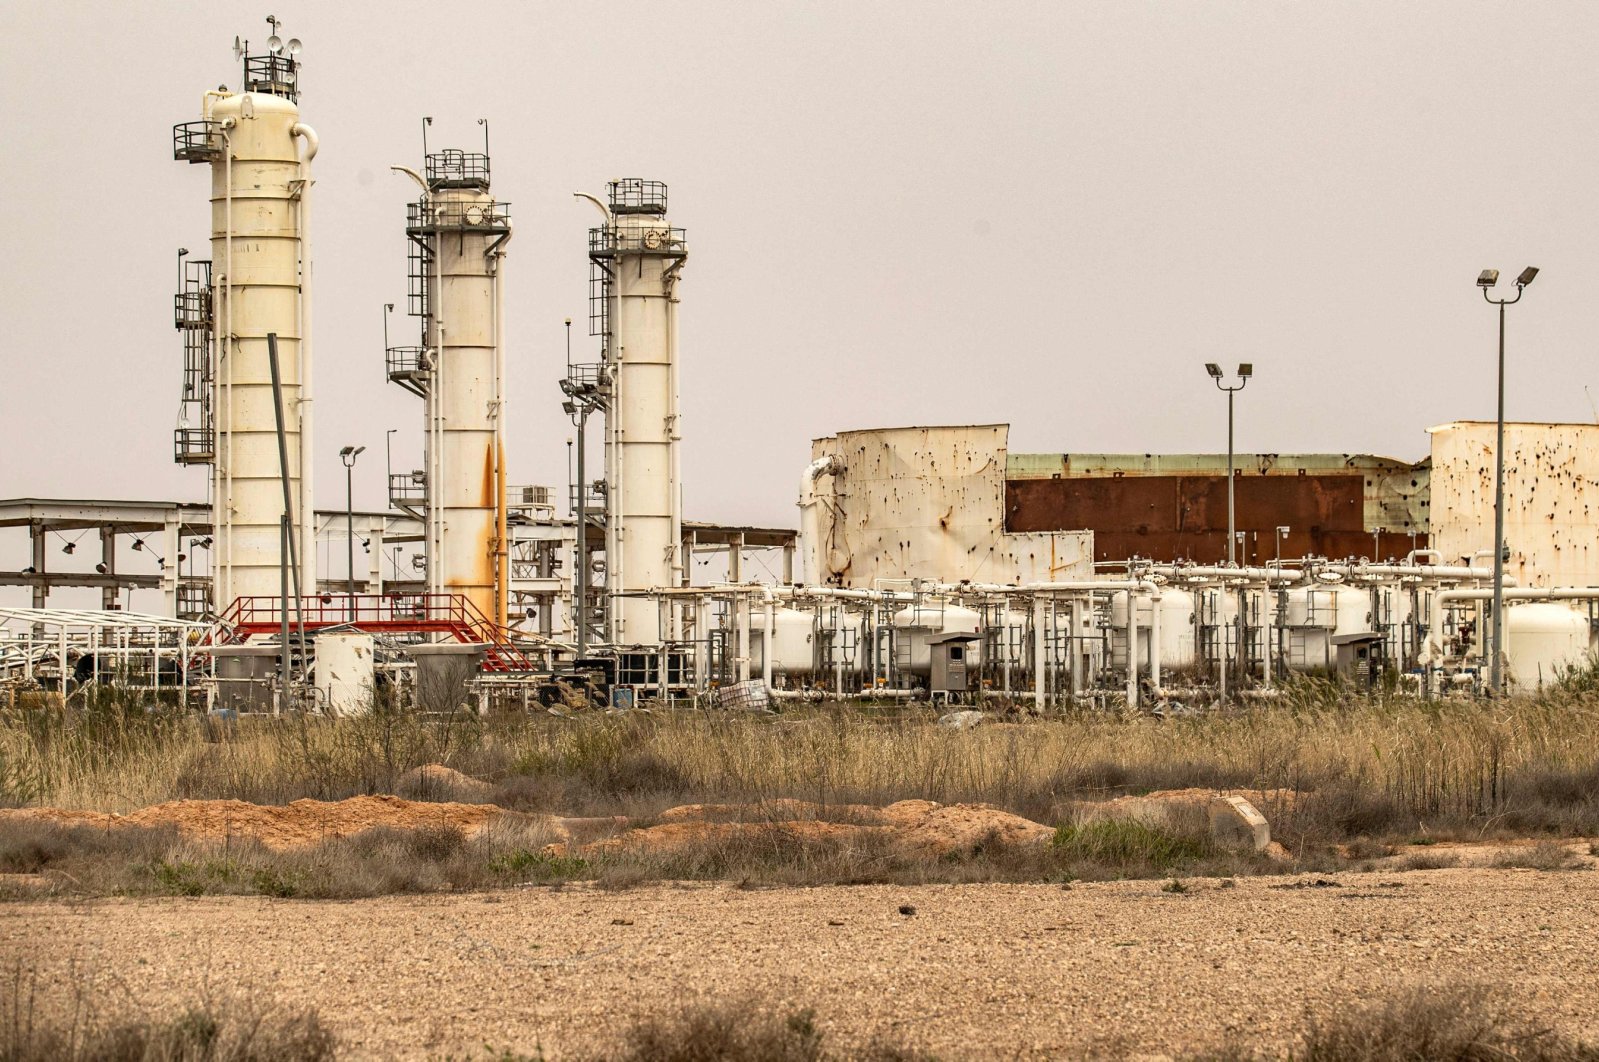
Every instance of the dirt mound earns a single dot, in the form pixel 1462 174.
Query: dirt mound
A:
pixel 304 822
pixel 919 826
pixel 434 781
pixel 783 809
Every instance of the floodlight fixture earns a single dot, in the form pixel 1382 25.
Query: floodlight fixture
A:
pixel 1246 369
pixel 1488 278
pixel 1214 369
pixel 1526 276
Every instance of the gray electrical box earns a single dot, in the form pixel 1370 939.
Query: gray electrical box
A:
pixel 953 663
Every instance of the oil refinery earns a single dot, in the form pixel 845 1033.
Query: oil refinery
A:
pixel 929 562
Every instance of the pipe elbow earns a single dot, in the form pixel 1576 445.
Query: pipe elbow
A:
pixel 306 133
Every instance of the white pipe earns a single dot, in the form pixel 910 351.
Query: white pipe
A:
pixel 502 549
pixel 766 640
pixel 1154 642
pixel 1132 650
pixel 222 507
pixel 810 525
pixel 1224 573
pixel 741 617
pixel 1040 668
pixel 307 573
pixel 1440 572
pixel 1433 554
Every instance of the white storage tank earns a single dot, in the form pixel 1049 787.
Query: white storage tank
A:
pixel 793 642
pixel 1176 628
pixel 916 624
pixel 1542 639
pixel 344 675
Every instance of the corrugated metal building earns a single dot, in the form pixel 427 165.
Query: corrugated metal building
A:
pixel 1171 507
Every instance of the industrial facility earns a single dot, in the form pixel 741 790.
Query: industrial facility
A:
pixel 929 562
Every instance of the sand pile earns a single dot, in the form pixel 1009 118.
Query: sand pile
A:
pixel 917 826
pixel 302 823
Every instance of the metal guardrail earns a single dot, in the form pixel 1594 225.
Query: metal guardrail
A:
pixel 193 446
pixel 200 141
pixel 633 195
pixel 408 488
pixel 452 168
pixel 662 240
pixel 457 216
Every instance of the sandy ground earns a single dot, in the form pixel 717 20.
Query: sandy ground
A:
pixel 978 971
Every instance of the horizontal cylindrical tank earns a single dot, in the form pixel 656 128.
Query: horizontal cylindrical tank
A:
pixel 793 642
pixel 1176 628
pixel 916 625
pixel 344 675
pixel 1542 639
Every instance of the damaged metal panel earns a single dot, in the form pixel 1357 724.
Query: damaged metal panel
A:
pixel 1551 498
pixel 1174 506
pixel 929 503
pixel 1171 518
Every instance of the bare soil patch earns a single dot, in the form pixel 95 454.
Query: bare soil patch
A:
pixel 974 971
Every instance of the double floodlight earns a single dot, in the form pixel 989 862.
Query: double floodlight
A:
pixel 1246 369
pixel 1489 277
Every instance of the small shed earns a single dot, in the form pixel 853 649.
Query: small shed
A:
pixel 951 655
pixel 1359 656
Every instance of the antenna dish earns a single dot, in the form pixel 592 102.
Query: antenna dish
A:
pixel 238 48
pixel 294 46
pixel 274 44
pixel 291 78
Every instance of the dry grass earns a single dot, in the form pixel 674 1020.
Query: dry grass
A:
pixel 743 1031
pixel 88 1021
pixel 1452 1023
pixel 1363 772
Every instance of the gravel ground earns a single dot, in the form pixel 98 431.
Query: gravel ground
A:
pixel 977 971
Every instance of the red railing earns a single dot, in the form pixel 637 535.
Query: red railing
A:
pixel 451 614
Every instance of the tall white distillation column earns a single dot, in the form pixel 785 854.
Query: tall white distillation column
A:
pixel 260 156
pixel 460 232
pixel 640 256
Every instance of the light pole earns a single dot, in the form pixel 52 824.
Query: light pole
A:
pixel 1487 279
pixel 348 455
pixel 1245 371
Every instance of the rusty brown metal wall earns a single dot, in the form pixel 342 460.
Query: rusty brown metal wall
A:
pixel 1172 518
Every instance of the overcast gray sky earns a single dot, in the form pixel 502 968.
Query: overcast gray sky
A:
pixel 1049 214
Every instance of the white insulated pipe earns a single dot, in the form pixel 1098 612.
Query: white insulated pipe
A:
pixel 307 499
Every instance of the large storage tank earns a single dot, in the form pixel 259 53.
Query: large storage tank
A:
pixel 1542 639
pixel 260 157
pixel 916 625
pixel 345 676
